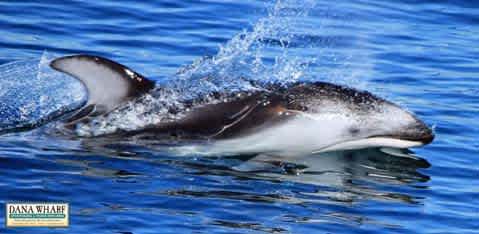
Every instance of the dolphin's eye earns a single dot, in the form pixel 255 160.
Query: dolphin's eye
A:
pixel 354 131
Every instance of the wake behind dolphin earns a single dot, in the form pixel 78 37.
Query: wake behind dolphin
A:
pixel 294 119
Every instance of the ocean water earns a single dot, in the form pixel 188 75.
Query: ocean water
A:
pixel 423 55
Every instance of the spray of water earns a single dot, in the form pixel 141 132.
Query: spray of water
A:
pixel 31 94
pixel 275 49
pixel 251 58
pixel 261 54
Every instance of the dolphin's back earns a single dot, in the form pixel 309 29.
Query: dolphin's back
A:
pixel 241 115
pixel 110 84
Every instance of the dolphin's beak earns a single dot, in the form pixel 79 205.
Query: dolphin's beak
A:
pixel 423 134
pixel 417 132
pixel 428 139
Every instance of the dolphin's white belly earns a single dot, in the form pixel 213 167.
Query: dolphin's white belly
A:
pixel 297 136
pixel 305 134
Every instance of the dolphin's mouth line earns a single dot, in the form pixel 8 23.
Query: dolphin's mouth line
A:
pixel 425 138
pixel 373 141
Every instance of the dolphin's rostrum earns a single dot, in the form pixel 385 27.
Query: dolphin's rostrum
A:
pixel 298 118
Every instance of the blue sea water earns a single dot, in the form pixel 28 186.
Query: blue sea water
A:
pixel 423 55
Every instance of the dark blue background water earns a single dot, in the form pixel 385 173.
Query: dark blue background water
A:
pixel 421 54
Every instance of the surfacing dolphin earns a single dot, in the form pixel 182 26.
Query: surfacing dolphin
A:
pixel 299 119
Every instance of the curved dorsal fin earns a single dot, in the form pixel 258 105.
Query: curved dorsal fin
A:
pixel 108 83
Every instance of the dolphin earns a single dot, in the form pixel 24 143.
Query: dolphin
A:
pixel 295 119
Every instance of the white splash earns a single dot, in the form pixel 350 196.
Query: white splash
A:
pixel 32 93
pixel 240 60
pixel 276 49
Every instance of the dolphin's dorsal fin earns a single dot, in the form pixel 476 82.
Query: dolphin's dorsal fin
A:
pixel 108 83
